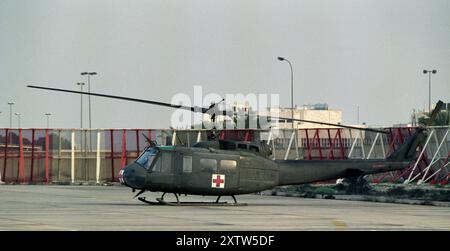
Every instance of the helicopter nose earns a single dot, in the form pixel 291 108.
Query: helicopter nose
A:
pixel 133 176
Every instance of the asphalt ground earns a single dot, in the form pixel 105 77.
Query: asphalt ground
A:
pixel 39 207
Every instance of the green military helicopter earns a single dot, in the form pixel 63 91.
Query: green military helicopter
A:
pixel 227 168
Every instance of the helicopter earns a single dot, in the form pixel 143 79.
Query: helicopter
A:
pixel 223 167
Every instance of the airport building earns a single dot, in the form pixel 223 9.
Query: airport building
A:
pixel 316 112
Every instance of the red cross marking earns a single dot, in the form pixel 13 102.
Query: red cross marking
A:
pixel 218 181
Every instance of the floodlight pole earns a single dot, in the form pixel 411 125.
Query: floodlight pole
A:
pixel 429 86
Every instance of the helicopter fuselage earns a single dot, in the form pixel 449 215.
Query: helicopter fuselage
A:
pixel 207 171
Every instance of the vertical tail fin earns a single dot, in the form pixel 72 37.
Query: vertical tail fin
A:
pixel 408 150
pixel 435 113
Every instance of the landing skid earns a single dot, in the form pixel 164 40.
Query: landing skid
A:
pixel 148 202
pixel 161 201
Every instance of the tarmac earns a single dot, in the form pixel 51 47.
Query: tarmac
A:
pixel 40 207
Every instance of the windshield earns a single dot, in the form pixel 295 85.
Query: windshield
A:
pixel 147 157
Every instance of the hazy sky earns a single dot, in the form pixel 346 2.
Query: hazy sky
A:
pixel 346 53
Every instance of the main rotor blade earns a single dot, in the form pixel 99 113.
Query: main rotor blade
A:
pixel 331 124
pixel 189 108
pixel 205 110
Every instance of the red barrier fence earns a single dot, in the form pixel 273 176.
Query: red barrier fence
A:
pixel 50 155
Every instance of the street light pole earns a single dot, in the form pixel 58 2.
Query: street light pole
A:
pixel 18 119
pixel 292 88
pixel 429 86
pixel 48 116
pixel 357 115
pixel 81 105
pixel 11 103
pixel 89 74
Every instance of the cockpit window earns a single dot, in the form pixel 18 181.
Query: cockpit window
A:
pixel 146 158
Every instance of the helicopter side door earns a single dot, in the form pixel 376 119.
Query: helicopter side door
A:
pixel 162 173
pixel 206 173
pixel 193 172
pixel 228 167
pixel 183 171
pixel 205 170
